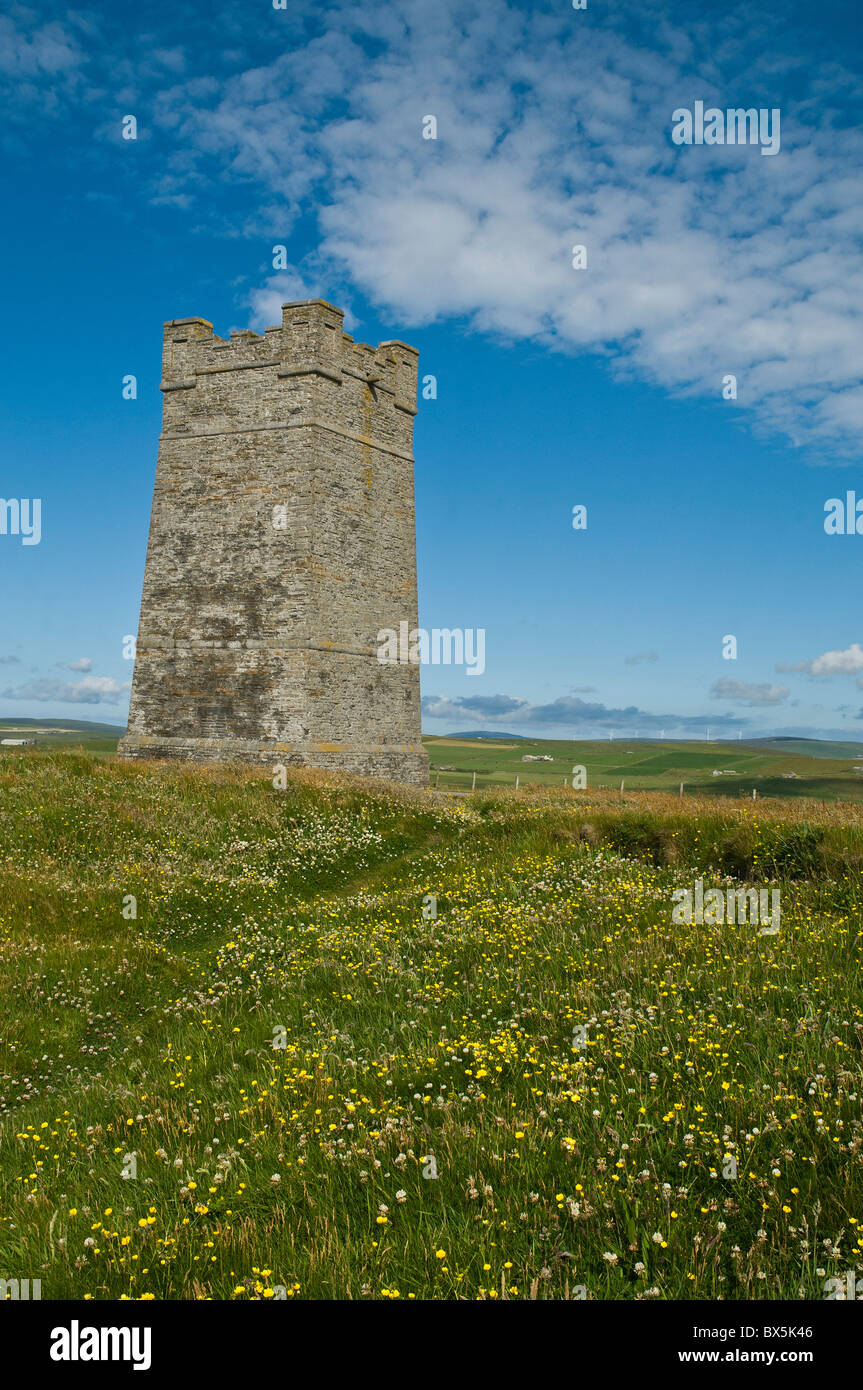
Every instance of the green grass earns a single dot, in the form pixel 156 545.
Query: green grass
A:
pixel 658 766
pixel 565 1160
pixel 85 734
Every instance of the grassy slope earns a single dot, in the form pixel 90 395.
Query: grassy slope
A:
pixel 302 1167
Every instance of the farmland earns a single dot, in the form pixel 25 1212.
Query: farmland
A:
pixel 796 767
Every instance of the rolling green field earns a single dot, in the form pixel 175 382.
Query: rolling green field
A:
pixel 63 733
pixel 349 1040
pixel 821 770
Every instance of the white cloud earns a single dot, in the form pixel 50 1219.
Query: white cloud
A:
pixel 702 261
pixel 553 130
pixel 90 690
pixel 288 286
pixel 839 662
pixel 82 664
pixel 836 663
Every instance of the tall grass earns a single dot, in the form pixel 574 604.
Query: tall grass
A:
pixel 361 1041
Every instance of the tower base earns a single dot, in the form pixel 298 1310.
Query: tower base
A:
pixel 392 762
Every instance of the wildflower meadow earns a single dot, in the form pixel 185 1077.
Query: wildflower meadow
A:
pixel 350 1041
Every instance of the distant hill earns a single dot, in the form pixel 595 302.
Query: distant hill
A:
pixel 809 747
pixel 487 733
pixel 87 726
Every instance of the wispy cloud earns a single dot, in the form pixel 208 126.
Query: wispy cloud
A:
pixel 747 694
pixel 29 49
pixel 637 659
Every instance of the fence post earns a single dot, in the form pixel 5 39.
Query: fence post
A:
pixel 681 789
pixel 516 781
pixel 473 783
pixel 754 793
pixel 437 778
pixel 621 786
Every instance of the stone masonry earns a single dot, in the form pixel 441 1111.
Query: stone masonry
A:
pixel 282 539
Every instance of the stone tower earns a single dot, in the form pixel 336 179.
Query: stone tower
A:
pixel 281 542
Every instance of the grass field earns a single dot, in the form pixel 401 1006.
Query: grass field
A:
pixel 821 770
pixel 363 1042
pixel 63 733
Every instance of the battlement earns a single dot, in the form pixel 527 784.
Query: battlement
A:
pixel 309 342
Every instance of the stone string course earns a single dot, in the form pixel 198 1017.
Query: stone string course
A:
pixel 256 643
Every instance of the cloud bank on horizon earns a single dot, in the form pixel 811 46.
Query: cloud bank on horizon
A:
pixel 90 690
pixel 567 712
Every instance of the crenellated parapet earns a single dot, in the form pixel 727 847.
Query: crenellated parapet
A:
pixel 308 358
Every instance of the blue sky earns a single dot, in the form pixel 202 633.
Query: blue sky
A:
pixel 556 386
